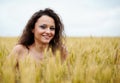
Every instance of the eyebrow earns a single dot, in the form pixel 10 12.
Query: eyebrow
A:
pixel 46 25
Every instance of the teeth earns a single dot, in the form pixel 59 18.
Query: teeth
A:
pixel 46 37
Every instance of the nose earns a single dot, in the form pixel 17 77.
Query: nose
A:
pixel 47 30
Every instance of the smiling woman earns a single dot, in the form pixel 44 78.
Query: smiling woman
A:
pixel 44 31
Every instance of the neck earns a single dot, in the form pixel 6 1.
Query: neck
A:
pixel 40 47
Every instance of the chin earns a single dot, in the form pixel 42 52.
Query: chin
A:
pixel 46 42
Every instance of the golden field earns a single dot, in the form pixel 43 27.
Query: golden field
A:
pixel 90 60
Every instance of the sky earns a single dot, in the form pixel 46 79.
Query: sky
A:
pixel 80 17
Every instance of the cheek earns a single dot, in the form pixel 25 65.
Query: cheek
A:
pixel 54 33
pixel 39 31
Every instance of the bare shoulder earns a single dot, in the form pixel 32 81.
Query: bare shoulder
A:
pixel 64 52
pixel 19 49
pixel 64 49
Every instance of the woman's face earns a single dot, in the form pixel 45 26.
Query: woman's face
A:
pixel 44 29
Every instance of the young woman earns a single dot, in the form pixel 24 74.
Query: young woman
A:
pixel 43 31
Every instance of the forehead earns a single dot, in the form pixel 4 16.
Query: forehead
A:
pixel 46 20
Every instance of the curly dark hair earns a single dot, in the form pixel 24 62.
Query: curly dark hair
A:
pixel 27 37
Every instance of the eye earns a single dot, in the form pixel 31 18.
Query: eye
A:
pixel 52 28
pixel 42 26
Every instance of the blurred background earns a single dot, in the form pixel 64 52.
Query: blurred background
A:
pixel 81 17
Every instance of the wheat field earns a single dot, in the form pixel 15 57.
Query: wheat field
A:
pixel 90 60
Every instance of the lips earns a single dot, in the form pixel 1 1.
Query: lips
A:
pixel 46 37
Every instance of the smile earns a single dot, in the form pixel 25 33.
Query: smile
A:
pixel 46 36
